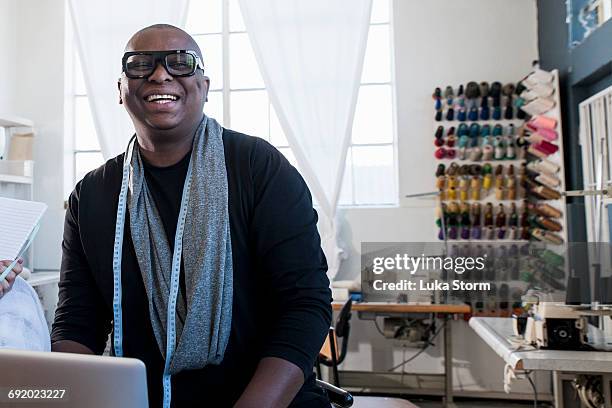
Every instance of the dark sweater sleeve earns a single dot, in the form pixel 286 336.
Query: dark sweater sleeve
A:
pixel 288 251
pixel 80 315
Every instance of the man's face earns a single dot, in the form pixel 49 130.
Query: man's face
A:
pixel 138 95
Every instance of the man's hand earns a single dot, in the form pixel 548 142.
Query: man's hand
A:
pixel 8 282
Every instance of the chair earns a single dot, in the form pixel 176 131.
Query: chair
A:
pixel 337 396
pixel 329 357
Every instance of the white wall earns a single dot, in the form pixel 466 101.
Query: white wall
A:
pixel 40 97
pixel 437 43
pixel 32 87
pixel 8 36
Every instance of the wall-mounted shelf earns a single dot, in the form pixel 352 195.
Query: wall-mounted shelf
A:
pixel 14 121
pixel 16 176
pixel 9 178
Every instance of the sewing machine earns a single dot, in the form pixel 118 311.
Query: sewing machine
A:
pixel 558 326
pixel 554 326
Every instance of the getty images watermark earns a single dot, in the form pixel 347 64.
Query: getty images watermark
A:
pixel 472 272
pixel 406 263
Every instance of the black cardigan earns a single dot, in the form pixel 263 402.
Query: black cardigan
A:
pixel 281 304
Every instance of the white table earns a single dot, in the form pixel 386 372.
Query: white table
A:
pixel 496 332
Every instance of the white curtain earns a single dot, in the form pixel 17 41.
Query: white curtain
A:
pixel 310 54
pixel 102 28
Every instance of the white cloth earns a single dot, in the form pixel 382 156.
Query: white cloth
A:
pixel 310 54
pixel 102 28
pixel 22 320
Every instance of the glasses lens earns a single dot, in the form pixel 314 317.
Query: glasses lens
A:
pixel 181 64
pixel 139 65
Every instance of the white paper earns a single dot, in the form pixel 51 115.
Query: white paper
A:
pixel 18 218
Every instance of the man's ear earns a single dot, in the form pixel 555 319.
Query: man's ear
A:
pixel 119 89
pixel 206 81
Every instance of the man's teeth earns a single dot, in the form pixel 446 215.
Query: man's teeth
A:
pixel 159 98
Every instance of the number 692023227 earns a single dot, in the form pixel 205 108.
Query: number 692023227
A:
pixel 33 394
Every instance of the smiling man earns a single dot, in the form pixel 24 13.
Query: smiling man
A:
pixel 197 247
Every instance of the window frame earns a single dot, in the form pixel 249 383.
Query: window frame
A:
pixel 226 92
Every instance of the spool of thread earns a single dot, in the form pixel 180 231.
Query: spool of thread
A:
pixel 440 153
pixel 475 194
pixel 475 153
pixel 544 166
pixel 524 233
pixel 499 193
pixel 513 233
pixel 546 236
pixel 546 193
pixel 540 121
pixel 546 147
pixel 499 181
pixel 512 193
pixel 499 152
pixel 487 152
pixel 548 224
pixel 548 180
pixel 532 150
pixel 476 232
pixel 487 181
pixel 545 209
pixel 475 183
pixel 441 234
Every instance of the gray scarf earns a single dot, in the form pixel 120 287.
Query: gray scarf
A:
pixel 203 320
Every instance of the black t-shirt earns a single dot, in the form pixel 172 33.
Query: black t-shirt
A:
pixel 166 187
pixel 281 302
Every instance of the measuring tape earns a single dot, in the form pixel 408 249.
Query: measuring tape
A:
pixel 9 268
pixel 174 277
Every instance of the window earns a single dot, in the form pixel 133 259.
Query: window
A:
pixel 238 100
pixel 87 154
pixel 596 146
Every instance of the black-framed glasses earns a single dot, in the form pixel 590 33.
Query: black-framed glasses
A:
pixel 178 63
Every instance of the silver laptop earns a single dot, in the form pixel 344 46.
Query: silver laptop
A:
pixel 64 380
